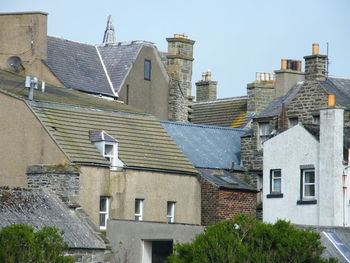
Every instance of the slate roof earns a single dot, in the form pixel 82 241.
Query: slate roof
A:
pixel 99 135
pixel 119 58
pixel 343 235
pixel 229 112
pixel 224 179
pixel 333 85
pixel 40 208
pixel 207 146
pixel 97 69
pixel 77 66
pixel 143 142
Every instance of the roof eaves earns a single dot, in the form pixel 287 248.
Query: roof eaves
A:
pixel 194 173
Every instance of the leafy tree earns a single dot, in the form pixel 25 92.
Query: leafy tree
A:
pixel 20 244
pixel 245 239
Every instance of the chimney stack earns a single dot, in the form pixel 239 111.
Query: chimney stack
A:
pixel 289 74
pixel 179 67
pixel 315 65
pixel 329 177
pixel 206 88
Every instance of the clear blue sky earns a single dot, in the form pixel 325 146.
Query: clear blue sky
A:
pixel 233 38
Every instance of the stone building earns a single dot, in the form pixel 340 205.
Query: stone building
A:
pixel 41 207
pixel 299 103
pixel 214 151
pixel 134 72
pixel 129 168
pixel 235 112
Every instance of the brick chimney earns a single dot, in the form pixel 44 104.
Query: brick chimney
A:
pixel 329 177
pixel 315 65
pixel 24 35
pixel 289 74
pixel 179 67
pixel 206 88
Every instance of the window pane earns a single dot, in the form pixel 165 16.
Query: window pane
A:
pixel 103 204
pixel 137 218
pixel 137 206
pixel 276 185
pixel 147 69
pixel 309 190
pixel 108 149
pixel 264 128
pixel 103 219
pixel 277 174
pixel 309 177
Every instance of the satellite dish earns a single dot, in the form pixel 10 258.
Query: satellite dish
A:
pixel 14 61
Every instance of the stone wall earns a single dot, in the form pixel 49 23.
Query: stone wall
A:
pixel 91 255
pixel 307 103
pixel 259 96
pixel 63 180
pixel 206 90
pixel 178 102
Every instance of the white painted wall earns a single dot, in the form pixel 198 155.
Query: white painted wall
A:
pixel 287 152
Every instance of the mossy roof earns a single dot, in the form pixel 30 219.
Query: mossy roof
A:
pixel 230 112
pixel 69 116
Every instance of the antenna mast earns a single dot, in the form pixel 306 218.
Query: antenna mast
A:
pixel 327 69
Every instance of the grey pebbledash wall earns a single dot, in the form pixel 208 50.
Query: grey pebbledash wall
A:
pixel 63 180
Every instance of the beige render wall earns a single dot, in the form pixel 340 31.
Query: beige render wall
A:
pixel 148 96
pixel 23 142
pixel 25 35
pixel 156 188
pixel 94 182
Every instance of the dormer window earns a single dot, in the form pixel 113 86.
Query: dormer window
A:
pixel 108 147
pixel 109 152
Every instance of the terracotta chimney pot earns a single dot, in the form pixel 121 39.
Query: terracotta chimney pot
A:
pixel 315 49
pixel 331 100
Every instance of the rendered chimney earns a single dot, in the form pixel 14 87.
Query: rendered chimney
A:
pixel 289 74
pixel 315 65
pixel 206 88
pixel 329 177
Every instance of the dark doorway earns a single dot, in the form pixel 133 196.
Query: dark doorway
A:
pixel 161 250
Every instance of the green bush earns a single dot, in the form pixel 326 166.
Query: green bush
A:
pixel 19 243
pixel 245 239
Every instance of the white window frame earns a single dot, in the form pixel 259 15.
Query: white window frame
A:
pixel 106 213
pixel 264 133
pixel 139 216
pixel 276 178
pixel 304 171
pixel 109 157
pixel 170 217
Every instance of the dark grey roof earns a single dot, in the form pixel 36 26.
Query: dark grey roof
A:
pixel 100 135
pixel 332 85
pixel 77 66
pixel 342 234
pixel 224 179
pixel 40 208
pixel 274 108
pixel 341 88
pixel 207 146
pixel 119 58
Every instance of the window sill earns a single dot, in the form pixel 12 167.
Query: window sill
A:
pixel 306 202
pixel 274 195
